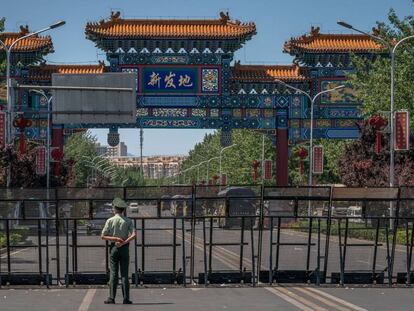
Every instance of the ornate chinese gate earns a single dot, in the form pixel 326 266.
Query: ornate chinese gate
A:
pixel 186 79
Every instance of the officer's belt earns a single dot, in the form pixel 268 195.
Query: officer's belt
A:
pixel 113 244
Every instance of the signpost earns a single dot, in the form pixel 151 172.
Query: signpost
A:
pixel 318 160
pixel 41 160
pixel 402 130
pixel 94 98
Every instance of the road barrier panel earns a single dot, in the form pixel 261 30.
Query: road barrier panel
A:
pixel 211 235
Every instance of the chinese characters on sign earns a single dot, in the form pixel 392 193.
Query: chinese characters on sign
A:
pixel 41 161
pixel 268 170
pixel 318 160
pixel 157 80
pixel 2 129
pixel 401 141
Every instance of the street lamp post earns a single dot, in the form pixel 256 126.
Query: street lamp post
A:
pixel 8 51
pixel 220 161
pixel 208 167
pixel 312 101
pixel 141 145
pixel 392 48
pixel 184 177
pixel 49 100
pixel 198 169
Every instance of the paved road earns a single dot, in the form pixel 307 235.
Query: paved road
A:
pixel 240 299
pixel 224 257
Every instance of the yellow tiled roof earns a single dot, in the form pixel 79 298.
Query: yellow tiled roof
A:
pixel 31 44
pixel 222 28
pixel 317 42
pixel 266 73
pixel 44 72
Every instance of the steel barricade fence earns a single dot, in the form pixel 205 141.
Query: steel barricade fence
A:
pixel 201 235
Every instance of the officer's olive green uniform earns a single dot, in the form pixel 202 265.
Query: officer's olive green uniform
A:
pixel 121 227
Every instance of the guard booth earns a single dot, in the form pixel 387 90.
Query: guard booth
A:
pixel 292 228
pixel 364 224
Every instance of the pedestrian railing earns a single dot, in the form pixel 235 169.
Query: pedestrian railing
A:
pixel 201 235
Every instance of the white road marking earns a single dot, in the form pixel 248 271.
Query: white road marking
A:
pixel 14 253
pixel 24 249
pixel 87 300
pixel 323 300
pixel 301 299
pixel 339 300
pixel 292 301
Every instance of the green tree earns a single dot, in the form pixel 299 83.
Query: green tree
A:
pixel 130 177
pixel 23 169
pixel 80 147
pixel 333 150
pixel 372 79
pixel 236 161
pixel 361 166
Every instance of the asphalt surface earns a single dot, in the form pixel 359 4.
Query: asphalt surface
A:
pixel 224 298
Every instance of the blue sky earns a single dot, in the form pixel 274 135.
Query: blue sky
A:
pixel 276 21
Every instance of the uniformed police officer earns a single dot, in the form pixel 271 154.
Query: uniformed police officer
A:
pixel 119 230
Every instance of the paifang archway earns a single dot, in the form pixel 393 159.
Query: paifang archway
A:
pixel 186 79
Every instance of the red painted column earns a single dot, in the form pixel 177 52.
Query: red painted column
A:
pixel 57 138
pixel 282 157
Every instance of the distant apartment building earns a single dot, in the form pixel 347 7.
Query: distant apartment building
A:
pixel 101 149
pixel 121 150
pixel 153 166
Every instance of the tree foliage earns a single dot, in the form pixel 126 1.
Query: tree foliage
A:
pixel 333 150
pixel 372 79
pixel 361 166
pixel 2 54
pixel 236 161
pixel 80 147
pixel 23 170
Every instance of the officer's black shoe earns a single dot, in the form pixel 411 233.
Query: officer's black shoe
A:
pixel 127 302
pixel 109 301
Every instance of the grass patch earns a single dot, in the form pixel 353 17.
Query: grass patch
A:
pixel 355 230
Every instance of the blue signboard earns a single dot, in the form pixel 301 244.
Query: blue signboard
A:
pixel 169 80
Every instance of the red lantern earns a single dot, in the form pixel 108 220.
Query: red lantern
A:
pixel 22 123
pixel 255 166
pixel 57 155
pixel 302 153
pixel 378 123
pixel 215 178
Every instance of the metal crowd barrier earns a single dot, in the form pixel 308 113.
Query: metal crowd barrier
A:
pixel 188 235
